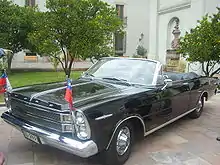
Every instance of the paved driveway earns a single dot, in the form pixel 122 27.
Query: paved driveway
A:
pixel 186 142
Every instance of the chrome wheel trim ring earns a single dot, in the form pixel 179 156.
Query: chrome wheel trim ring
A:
pixel 123 140
pixel 199 105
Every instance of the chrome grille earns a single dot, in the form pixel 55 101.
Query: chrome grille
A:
pixel 35 120
pixel 38 116
pixel 35 111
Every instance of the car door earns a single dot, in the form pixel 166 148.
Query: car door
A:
pixel 165 104
pixel 195 87
pixel 150 109
pixel 175 98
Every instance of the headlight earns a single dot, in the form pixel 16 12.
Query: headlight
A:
pixel 66 118
pixel 68 128
pixel 83 131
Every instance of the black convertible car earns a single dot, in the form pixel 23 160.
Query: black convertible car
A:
pixel 115 101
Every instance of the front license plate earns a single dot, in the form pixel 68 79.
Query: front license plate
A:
pixel 31 137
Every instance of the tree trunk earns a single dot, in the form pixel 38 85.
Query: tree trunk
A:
pixel 207 69
pixel 91 60
pixel 65 71
pixel 215 72
pixel 69 68
pixel 203 69
pixel 9 62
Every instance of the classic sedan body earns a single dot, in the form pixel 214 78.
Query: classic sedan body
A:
pixel 115 101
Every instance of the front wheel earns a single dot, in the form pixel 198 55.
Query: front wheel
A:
pixel 199 108
pixel 120 147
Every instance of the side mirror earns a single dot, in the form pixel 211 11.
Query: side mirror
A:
pixel 165 76
pixel 168 82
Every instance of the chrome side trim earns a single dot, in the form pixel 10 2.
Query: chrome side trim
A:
pixel 103 117
pixel 80 148
pixel 169 122
pixel 122 121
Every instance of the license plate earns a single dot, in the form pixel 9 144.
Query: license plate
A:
pixel 31 137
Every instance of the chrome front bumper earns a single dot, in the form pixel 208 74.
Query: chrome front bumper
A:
pixel 82 149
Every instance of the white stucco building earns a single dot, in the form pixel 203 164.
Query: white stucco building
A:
pixel 154 20
pixel 40 3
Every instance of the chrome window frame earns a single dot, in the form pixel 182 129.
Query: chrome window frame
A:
pixel 156 73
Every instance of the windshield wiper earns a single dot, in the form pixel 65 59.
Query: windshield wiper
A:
pixel 116 79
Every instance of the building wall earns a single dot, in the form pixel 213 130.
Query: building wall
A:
pixel 138 23
pixel 137 13
pixel 19 2
pixel 163 11
pixel 153 19
pixel 41 3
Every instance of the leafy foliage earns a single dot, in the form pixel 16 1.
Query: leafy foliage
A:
pixel 78 28
pixel 16 22
pixel 202 44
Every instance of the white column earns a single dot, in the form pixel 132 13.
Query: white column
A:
pixel 153 29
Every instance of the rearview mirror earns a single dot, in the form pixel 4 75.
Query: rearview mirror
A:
pixel 168 82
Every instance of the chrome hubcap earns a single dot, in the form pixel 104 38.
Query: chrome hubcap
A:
pixel 199 106
pixel 123 140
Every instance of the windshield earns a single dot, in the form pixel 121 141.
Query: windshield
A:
pixel 130 70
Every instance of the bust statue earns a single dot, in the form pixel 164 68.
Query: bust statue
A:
pixel 176 32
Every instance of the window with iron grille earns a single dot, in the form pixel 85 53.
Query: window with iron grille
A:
pixel 120 10
pixel 30 3
pixel 120 39
pixel 120 44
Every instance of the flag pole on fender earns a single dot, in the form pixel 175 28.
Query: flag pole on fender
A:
pixel 69 94
pixel 5 83
pixel 69 99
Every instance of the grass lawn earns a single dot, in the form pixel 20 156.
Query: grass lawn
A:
pixel 29 78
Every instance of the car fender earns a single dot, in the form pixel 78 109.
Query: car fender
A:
pixel 125 119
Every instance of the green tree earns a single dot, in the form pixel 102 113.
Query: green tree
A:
pixel 202 44
pixel 15 24
pixel 102 51
pixel 79 28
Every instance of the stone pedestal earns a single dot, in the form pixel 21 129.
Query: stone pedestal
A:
pixel 172 60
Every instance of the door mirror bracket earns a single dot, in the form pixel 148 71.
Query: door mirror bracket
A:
pixel 168 83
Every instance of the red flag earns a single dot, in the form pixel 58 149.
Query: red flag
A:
pixel 69 94
pixel 3 83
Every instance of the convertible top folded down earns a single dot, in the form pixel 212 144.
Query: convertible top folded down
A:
pixel 175 76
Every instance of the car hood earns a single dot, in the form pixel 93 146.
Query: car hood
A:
pixel 84 92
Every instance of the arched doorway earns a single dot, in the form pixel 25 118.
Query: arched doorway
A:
pixel 173 35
